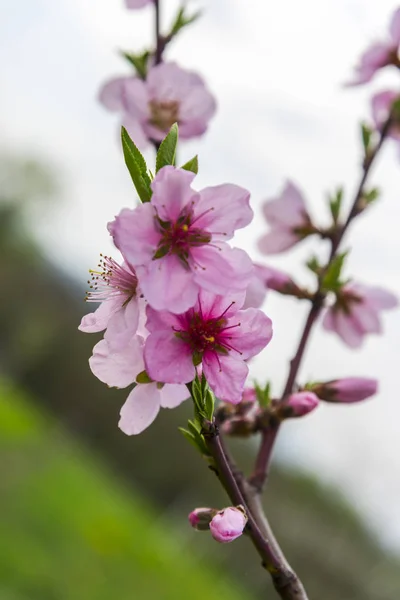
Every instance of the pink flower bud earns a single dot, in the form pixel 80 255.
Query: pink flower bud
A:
pixel 228 524
pixel 200 518
pixel 347 390
pixel 299 404
pixel 249 395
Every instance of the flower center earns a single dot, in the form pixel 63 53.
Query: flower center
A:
pixel 110 280
pixel 164 114
pixel 202 334
pixel 179 237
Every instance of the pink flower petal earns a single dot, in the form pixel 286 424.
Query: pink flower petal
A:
pixel 135 234
pixel 135 130
pixel 161 319
pixel 222 269
pixel 136 98
pixel 168 285
pixel 172 395
pixel 140 409
pixel 226 376
pixel 172 192
pixel 253 334
pixel 112 92
pixel 394 28
pixel 196 110
pixel 117 368
pixel 366 318
pixel 288 209
pixel 277 240
pixel 373 59
pixel 168 359
pixel 212 306
pixel 123 325
pixel 222 209
pixel 376 297
pixel 98 320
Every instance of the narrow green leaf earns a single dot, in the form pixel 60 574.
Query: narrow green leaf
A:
pixel 181 20
pixel 209 404
pixel 192 165
pixel 366 134
pixel 335 204
pixel 136 166
pixel 167 151
pixel 331 280
pixel 138 61
pixel 313 265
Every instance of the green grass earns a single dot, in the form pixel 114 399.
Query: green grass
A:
pixel 70 531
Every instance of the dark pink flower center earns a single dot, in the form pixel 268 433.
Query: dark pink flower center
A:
pixel 202 334
pixel 179 237
pixel 110 280
pixel 163 114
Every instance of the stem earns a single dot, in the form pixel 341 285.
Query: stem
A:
pixel 265 451
pixel 159 44
pixel 285 580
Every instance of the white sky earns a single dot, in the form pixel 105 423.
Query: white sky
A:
pixel 277 70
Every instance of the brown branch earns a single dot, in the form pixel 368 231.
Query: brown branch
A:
pixel 263 458
pixel 285 580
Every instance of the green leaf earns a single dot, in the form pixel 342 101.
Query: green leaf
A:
pixel 335 204
pixel 209 404
pixel 195 438
pixel 370 196
pixel 263 394
pixel 332 279
pixel 192 165
pixel 143 378
pixel 136 166
pixel 314 265
pixel 366 135
pixel 138 61
pixel 167 152
pixel 181 20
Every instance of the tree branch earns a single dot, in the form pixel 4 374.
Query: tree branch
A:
pixel 285 580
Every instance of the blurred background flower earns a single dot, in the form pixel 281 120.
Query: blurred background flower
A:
pixel 87 512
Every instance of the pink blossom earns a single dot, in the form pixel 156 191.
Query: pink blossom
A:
pixel 215 332
pixel 249 395
pixel 116 288
pixel 228 524
pixel 346 390
pixel 177 244
pixel 288 219
pixel 356 312
pixel 200 518
pixel 144 402
pixel 301 403
pixel 168 95
pixel 119 368
pixel 379 54
pixel 267 278
pixel 381 107
pixel 137 3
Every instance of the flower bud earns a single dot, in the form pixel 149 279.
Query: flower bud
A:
pixel 200 518
pixel 297 405
pixel 228 524
pixel 239 426
pixel 347 390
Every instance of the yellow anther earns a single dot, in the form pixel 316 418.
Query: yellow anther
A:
pixel 211 338
pixel 185 228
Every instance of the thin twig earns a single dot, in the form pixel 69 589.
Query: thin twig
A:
pixel 264 458
pixel 285 580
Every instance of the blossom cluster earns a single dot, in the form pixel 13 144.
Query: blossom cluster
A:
pixel 175 304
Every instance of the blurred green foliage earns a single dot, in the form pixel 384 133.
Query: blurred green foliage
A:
pixel 71 532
